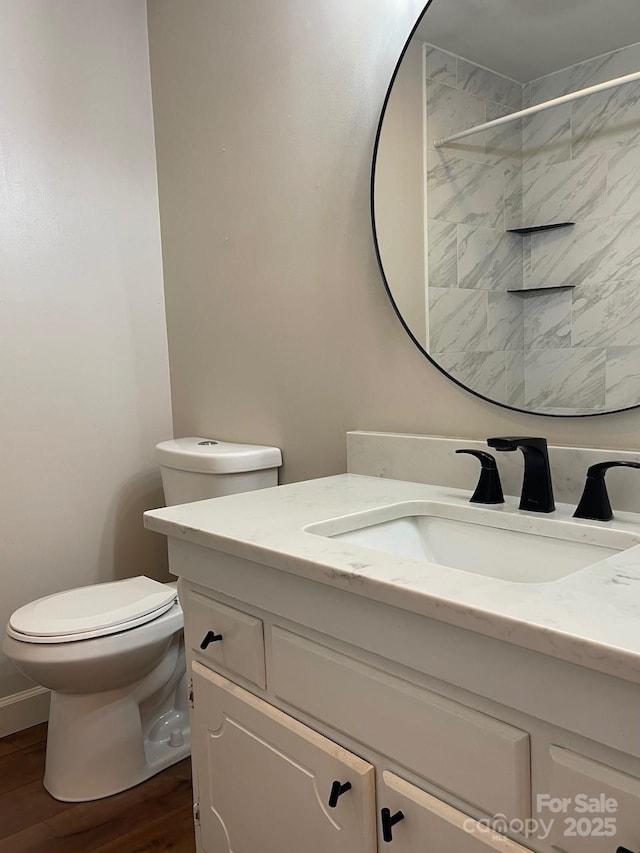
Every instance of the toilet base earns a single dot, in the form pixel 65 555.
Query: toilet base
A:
pixel 99 744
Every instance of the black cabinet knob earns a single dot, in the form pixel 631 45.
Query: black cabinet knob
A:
pixel 210 637
pixel 623 850
pixel 337 790
pixel 388 821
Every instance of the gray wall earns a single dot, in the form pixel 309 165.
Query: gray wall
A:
pixel 279 328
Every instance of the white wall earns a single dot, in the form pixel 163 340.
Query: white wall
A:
pixel 83 361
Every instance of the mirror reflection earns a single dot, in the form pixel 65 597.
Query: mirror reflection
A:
pixel 512 250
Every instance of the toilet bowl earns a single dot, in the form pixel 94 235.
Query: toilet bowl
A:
pixel 113 657
pixel 113 654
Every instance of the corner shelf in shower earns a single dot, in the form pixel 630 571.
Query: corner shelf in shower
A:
pixel 534 291
pixel 534 229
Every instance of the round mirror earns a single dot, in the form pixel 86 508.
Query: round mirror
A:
pixel 506 199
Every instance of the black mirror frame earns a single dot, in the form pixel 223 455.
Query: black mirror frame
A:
pixel 386 283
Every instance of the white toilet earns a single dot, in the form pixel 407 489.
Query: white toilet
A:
pixel 112 654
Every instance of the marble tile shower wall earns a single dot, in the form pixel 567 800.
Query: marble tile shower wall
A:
pixel 574 351
pixel 474 193
pixel 581 163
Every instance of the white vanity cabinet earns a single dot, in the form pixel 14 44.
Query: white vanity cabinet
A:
pixel 265 783
pixel 264 779
pixel 312 686
pixel 478 707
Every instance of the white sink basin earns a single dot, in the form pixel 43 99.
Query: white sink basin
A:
pixel 478 540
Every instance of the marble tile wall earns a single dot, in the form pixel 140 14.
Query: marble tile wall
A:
pixel 574 351
pixel 581 163
pixel 474 193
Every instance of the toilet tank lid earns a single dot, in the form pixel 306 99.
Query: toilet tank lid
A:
pixel 209 456
pixel 91 608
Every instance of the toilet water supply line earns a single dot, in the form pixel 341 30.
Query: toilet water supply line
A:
pixel 529 111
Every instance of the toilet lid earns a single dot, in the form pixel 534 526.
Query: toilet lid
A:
pixel 94 610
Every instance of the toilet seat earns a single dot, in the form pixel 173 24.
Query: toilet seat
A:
pixel 92 611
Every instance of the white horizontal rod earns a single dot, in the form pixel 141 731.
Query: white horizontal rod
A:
pixel 538 108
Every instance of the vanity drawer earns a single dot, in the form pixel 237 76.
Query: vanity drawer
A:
pixel 241 649
pixel 429 824
pixel 585 822
pixel 473 756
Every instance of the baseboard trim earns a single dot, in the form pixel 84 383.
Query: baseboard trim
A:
pixel 22 710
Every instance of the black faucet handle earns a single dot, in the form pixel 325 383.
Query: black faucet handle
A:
pixel 487 460
pixel 594 503
pixel 489 488
pixel 601 468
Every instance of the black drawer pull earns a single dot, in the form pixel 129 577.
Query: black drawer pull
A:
pixel 388 821
pixel 211 637
pixel 337 790
pixel 623 850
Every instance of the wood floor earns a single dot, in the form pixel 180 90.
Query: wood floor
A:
pixel 154 816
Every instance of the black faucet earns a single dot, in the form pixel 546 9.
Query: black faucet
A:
pixel 537 491
pixel 489 488
pixel 594 503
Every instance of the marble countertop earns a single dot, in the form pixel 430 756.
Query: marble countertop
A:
pixel 590 617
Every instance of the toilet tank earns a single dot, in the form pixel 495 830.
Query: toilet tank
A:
pixel 194 469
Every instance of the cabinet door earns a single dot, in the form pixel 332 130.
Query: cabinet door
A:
pixel 590 807
pixel 264 779
pixel 429 824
